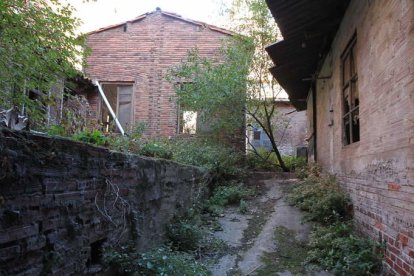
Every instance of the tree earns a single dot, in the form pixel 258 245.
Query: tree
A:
pixel 216 89
pixel 38 47
pixel 242 81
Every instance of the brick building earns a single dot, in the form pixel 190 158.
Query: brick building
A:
pixel 131 61
pixel 290 130
pixel 350 65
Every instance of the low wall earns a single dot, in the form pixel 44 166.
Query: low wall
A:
pixel 61 200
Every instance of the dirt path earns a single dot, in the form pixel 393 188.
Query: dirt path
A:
pixel 268 240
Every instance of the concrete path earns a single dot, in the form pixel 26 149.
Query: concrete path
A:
pixel 253 235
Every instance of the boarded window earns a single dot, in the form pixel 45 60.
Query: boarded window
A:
pixel 120 99
pixel 350 94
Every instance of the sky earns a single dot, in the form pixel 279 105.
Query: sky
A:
pixel 101 13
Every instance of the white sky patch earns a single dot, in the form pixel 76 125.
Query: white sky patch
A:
pixel 101 13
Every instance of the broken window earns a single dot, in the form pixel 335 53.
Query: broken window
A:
pixel 350 94
pixel 120 99
pixel 187 118
pixel 187 121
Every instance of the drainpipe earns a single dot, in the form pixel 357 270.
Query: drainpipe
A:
pixel 118 124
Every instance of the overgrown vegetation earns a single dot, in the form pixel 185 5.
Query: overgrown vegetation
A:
pixel 159 261
pixel 264 160
pixel 93 137
pixel 38 48
pixel 338 249
pixel 333 244
pixel 289 255
pixel 228 195
pixel 321 196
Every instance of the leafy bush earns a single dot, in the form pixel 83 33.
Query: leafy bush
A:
pixel 308 170
pixel 159 261
pixel 130 143
pixel 322 197
pixel 94 137
pixel 336 248
pixel 227 195
pixel 222 162
pixel 56 130
pixel 185 234
pixel 156 148
pixel 262 159
pixel 294 163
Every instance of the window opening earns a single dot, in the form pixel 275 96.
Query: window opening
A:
pixel 350 94
pixel 120 99
pixel 187 118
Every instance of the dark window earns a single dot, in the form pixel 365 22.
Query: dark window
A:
pixel 256 134
pixel 350 94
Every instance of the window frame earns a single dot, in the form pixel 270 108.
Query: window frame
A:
pixel 101 104
pixel 349 90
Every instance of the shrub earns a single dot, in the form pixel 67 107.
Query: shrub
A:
pixel 185 234
pixel 227 195
pixel 294 163
pixel 262 159
pixel 222 162
pixel 322 197
pixel 159 261
pixel 336 248
pixel 56 130
pixel 94 137
pixel 156 148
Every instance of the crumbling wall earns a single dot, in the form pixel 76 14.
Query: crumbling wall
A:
pixel 60 201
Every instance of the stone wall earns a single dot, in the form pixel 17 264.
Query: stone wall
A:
pixel 378 171
pixel 60 201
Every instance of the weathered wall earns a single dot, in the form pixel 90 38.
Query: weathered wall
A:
pixel 378 171
pixel 59 200
pixel 142 55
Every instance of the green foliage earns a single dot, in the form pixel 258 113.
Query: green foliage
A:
pixel 56 130
pixel 289 256
pixel 322 197
pixel 243 206
pixel 130 143
pixel 294 163
pixel 159 261
pixel 228 195
pixel 337 249
pixel 262 159
pixel 38 46
pixel 185 234
pixel 215 89
pixel 156 148
pixel 93 137
pixel 221 161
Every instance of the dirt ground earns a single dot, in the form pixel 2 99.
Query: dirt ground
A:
pixel 269 239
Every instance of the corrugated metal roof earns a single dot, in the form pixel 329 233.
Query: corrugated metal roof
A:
pixel 308 28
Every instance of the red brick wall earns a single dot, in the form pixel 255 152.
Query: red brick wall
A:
pixel 142 56
pixel 60 197
pixel 378 171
